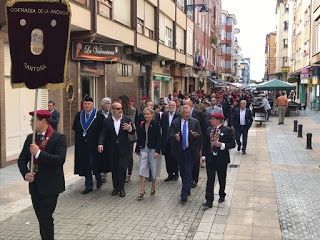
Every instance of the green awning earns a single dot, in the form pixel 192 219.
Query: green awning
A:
pixel 160 77
pixel 275 84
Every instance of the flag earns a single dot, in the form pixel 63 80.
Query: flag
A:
pixel 39 35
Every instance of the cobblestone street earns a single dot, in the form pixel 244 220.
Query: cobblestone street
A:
pixel 272 193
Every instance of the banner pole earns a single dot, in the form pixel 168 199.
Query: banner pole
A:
pixel 34 127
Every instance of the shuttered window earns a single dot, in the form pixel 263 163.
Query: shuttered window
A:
pixel 122 11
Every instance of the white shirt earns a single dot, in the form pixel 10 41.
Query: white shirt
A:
pixel 187 134
pixel 38 152
pixel 106 114
pixel 242 117
pixel 116 124
pixel 171 115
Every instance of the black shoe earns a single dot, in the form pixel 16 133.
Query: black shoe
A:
pixel 115 192
pixel 183 200
pixel 122 193
pixel 244 151
pixel 207 205
pixel 169 178
pixel 239 148
pixel 176 177
pixel 150 179
pixel 99 185
pixel 86 191
pixel 221 200
pixel 193 184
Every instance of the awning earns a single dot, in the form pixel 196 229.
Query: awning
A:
pixel 159 77
pixel 216 81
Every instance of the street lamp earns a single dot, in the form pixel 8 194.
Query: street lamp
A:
pixel 203 7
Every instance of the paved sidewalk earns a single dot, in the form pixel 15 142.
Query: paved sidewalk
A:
pixel 250 210
pixel 272 193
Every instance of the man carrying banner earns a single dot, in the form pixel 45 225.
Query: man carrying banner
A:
pixel 47 180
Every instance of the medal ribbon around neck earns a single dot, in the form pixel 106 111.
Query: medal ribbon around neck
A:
pixel 85 124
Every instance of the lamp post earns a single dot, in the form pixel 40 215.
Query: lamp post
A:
pixel 203 7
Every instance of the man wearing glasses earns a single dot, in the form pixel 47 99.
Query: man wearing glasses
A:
pixel 114 141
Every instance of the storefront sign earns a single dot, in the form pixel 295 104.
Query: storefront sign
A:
pixel 96 52
pixel 39 41
pixel 285 69
pixel 92 67
pixel 159 77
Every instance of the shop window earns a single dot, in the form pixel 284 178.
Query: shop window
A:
pixel 124 70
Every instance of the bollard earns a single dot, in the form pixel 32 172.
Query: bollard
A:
pixel 309 141
pixel 300 130
pixel 295 126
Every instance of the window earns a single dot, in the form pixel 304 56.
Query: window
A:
pixel 285 25
pixel 285 61
pixel 190 13
pixel 148 33
pixel 169 37
pixel 140 25
pixel 149 20
pixel 189 47
pixel 180 4
pixel 285 43
pixel 124 70
pixel 317 38
pixel 162 28
pixel 105 8
pixel 286 7
pixel 122 12
pixel 180 39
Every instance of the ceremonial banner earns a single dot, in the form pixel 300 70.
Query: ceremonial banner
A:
pixel 39 32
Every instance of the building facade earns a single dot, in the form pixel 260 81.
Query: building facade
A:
pixel 283 10
pixel 154 38
pixel 207 36
pixel 270 56
pixel 314 81
pixel 229 46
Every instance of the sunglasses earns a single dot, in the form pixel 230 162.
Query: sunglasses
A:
pixel 117 108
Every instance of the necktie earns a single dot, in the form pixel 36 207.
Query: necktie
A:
pixel 184 135
pixel 87 116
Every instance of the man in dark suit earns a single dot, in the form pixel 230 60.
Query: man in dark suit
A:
pixel 200 116
pixel 218 140
pixel 46 177
pixel 114 141
pixel 185 136
pixel 171 160
pixel 87 126
pixel 55 115
pixel 106 112
pixel 242 121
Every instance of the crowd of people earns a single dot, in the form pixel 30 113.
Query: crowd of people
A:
pixel 178 127
pixel 185 129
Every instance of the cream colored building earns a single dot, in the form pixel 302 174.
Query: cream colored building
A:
pixel 157 37
pixel 283 40
pixel 314 81
pixel 300 51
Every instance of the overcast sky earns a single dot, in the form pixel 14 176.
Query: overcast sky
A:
pixel 256 18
